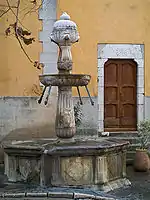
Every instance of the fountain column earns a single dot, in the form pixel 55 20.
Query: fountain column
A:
pixel 64 35
pixel 65 122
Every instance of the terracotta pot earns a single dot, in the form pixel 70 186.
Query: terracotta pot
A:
pixel 141 161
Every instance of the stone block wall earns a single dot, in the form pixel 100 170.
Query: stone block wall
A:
pixel 22 118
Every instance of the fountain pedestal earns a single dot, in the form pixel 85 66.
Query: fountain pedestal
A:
pixel 97 163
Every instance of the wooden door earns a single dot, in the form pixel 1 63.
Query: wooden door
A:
pixel 120 94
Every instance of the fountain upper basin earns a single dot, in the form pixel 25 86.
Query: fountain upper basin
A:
pixel 65 79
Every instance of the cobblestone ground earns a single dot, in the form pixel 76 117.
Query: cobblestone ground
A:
pixel 140 189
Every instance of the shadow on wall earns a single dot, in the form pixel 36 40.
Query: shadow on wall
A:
pixel 44 131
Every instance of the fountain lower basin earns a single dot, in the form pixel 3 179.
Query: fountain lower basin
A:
pixel 99 163
pixel 65 79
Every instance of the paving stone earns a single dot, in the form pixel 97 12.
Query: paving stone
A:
pixel 60 195
pixel 83 196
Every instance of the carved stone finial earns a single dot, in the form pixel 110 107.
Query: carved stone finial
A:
pixel 65 16
pixel 62 27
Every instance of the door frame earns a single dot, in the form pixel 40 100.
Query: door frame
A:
pixel 120 51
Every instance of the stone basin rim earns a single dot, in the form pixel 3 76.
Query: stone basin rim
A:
pixel 63 149
pixel 63 74
pixel 65 79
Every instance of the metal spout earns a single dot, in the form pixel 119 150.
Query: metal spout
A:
pixel 81 103
pixel 92 102
pixel 48 94
pixel 40 99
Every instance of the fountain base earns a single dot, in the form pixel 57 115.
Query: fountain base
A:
pixel 99 163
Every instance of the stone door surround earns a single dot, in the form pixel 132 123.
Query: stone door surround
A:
pixel 120 51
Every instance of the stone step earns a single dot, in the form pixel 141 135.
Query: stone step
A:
pixel 129 162
pixel 134 143
pixel 130 157
pixel 133 147
pixel 132 140
pixel 130 154
pixel 123 134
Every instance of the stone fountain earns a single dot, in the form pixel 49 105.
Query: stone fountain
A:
pixel 64 35
pixel 67 161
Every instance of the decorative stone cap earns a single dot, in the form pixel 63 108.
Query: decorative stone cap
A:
pixel 64 29
pixel 65 23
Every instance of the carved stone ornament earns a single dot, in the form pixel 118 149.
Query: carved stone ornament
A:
pixel 64 29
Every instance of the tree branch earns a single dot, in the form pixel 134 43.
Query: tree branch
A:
pixel 24 50
pixel 35 8
pixel 20 34
pixel 29 11
pixel 1 5
pixel 15 13
pixel 16 33
pixel 6 11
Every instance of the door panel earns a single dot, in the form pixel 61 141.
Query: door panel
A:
pixel 111 95
pixel 128 94
pixel 120 94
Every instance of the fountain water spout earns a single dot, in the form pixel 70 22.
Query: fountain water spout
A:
pixel 92 102
pixel 47 97
pixel 48 94
pixel 40 99
pixel 79 95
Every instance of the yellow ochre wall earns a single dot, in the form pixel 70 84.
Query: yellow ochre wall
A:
pixel 99 21
pixel 18 77
pixel 107 21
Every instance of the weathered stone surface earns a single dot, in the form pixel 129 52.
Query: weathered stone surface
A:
pixel 65 120
pixel 101 174
pixel 77 170
pixel 65 79
pixel 12 195
pixel 22 169
pixel 83 196
pixel 84 163
pixel 61 195
pixel 95 163
pixel 35 194
pixel 90 147
pixel 23 163
pixel 54 195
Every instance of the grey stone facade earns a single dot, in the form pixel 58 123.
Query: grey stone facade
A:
pixel 23 118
